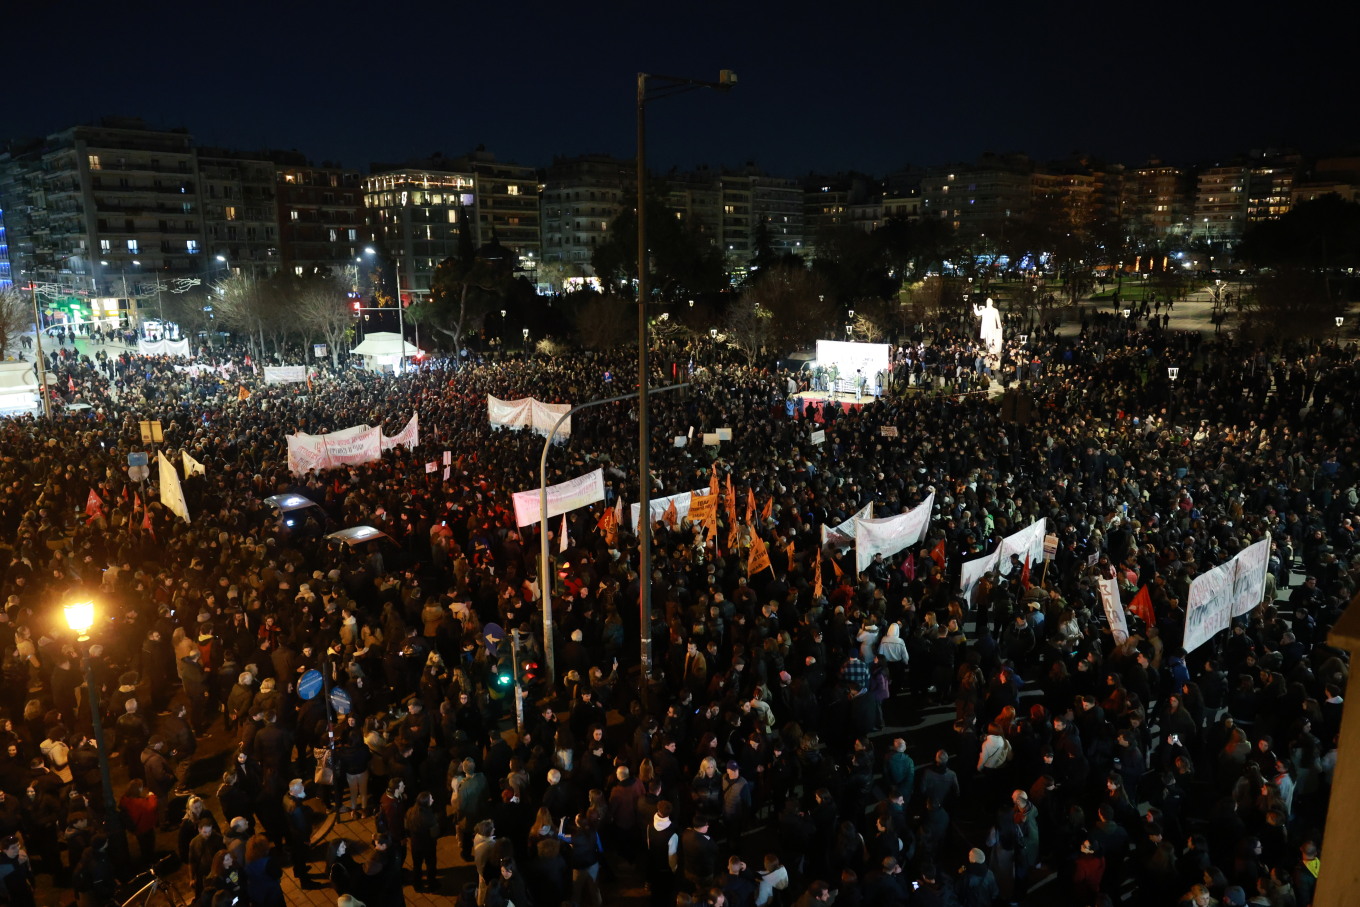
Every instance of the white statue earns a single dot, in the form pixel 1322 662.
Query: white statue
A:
pixel 991 325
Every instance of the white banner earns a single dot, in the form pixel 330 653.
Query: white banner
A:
pixel 191 466
pixel 528 413
pixel 1249 577
pixel 971 572
pixel 843 536
pixel 1208 607
pixel 1114 609
pixel 347 447
pixel 891 534
pixel 579 492
pixel 656 507
pixel 1028 541
pixel 172 495
pixel 162 347
pixel 284 374
pixel 408 437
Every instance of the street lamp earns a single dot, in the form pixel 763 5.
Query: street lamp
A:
pixel 80 617
pixel 665 87
pixel 401 314
pixel 1340 320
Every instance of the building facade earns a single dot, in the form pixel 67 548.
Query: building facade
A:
pixel 581 198
pixel 976 199
pixel 240 212
pixel 320 216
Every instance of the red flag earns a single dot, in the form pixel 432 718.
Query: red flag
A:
pixel 123 494
pixel 94 508
pixel 71 383
pixel 1142 607
pixel 1024 574
pixel 136 502
pixel 937 554
pixel 146 523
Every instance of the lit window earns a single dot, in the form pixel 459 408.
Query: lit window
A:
pixel 453 215
pixel 335 234
pixel 293 215
pixel 132 246
pixel 512 190
pixel 353 235
pixel 297 269
pixel 106 245
pixel 229 212
pixel 191 246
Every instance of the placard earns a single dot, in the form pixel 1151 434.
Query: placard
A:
pixel 887 431
pixel 681 440
pixel 818 437
pixel 724 434
pixel 711 439
pixel 1050 545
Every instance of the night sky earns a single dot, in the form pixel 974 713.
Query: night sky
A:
pixel 823 87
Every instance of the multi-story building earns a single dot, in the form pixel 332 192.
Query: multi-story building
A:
pixel 751 198
pixel 97 211
pixel 320 215
pixel 975 199
pixel 1270 184
pixel 1158 200
pixel 1338 176
pixel 418 212
pixel 581 198
pixel 1221 202
pixel 1069 193
pixel 240 212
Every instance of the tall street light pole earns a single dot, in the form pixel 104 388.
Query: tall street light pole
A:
pixel 80 617
pixel 666 86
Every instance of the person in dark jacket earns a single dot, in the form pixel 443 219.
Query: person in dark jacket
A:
pixel 422 833
pixel 299 816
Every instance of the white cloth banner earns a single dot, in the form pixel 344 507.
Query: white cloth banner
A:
pixel 528 413
pixel 1114 609
pixel 347 447
pixel 408 437
pixel 656 507
pixel 284 374
pixel 172 495
pixel 973 571
pixel 891 534
pixel 162 347
pixel 566 496
pixel 1249 577
pixel 1208 607
pixel 191 466
pixel 843 535
pixel 1028 541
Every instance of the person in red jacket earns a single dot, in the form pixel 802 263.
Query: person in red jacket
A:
pixel 1087 871
pixel 139 809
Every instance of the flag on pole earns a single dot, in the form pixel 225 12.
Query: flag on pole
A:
pixel 768 510
pixel 172 495
pixel 937 554
pixel 124 494
pixel 672 516
pixel 136 501
pixel 713 481
pixel 789 551
pixel 731 503
pixel 836 569
pixel 94 507
pixel 817 575
pixel 562 540
pixel 1024 574
pixel 1141 606
pixel 242 393
pixel 146 523
pixel 191 466
pixel 759 558
pixel 750 504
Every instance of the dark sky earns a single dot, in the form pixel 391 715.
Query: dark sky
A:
pixel 871 86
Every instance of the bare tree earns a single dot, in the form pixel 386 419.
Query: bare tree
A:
pixel 750 327
pixel 323 310
pixel 16 314
pixel 798 302
pixel 242 305
pixel 604 322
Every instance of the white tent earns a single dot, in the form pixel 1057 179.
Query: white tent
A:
pixel 382 349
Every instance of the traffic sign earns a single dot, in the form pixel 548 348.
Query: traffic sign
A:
pixel 340 700
pixel 137 458
pixel 310 684
pixel 138 473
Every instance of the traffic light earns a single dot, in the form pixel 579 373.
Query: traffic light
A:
pixel 355 305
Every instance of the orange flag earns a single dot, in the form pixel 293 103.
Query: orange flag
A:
pixel 817 576
pixel 1142 607
pixel 671 516
pixel 750 505
pixel 242 393
pixel 789 552
pixel 768 510
pixel 836 569
pixel 759 558
pixel 713 481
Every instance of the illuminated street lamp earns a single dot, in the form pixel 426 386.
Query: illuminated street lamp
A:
pixel 80 617
pixel 1340 320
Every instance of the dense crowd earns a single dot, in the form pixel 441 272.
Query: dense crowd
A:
pixel 1203 775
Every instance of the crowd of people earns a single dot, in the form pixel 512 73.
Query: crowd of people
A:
pixel 787 747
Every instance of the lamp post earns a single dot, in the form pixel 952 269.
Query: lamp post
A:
pixel 80 617
pixel 665 87
pixel 525 333
pixel 1340 320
